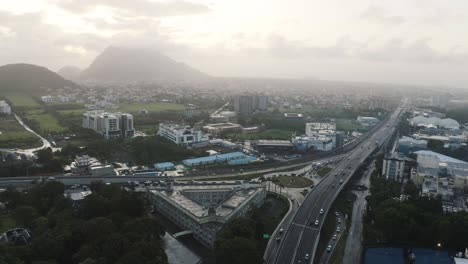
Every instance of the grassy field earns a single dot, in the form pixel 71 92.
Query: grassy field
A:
pixel 22 100
pixel 6 223
pixel 152 107
pixel 73 111
pixel 349 125
pixel 46 121
pixel 277 134
pixel 148 129
pixel 13 135
pixel 294 181
pixel 323 171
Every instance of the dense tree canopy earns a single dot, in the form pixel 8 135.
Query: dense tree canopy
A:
pixel 109 226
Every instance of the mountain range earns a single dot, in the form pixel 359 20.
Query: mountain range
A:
pixel 117 64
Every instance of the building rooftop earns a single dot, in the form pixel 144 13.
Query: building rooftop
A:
pixel 214 158
pixel 238 195
pixel 442 158
pixel 282 143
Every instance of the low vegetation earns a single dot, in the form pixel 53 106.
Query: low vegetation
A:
pixel 323 171
pixel 13 134
pixel 292 181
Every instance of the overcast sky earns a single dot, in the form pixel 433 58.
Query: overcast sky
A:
pixel 397 41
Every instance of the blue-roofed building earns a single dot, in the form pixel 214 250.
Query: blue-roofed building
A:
pixel 242 161
pixel 164 166
pixel 384 256
pixel 227 157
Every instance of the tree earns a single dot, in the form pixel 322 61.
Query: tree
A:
pixel 44 156
pixel 238 250
pixel 25 215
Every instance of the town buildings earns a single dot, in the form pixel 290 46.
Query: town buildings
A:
pixel 248 104
pixel 393 167
pixel 182 135
pixel 4 108
pixel 109 125
pixel 203 210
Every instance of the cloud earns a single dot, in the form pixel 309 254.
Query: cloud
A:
pixel 136 7
pixel 416 51
pixel 377 14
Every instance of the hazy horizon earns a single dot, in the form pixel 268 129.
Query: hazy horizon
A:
pixel 405 42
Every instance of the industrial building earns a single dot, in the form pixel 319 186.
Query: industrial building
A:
pixel 109 125
pixel 182 135
pixel 164 166
pixel 203 210
pixel 408 145
pixel 233 158
pixel 273 145
pixel 222 128
pixel 319 142
pixel 4 108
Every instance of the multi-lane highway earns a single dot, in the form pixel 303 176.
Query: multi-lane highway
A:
pixel 301 233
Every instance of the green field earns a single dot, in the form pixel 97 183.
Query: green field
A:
pixel 73 111
pixel 294 181
pixel 349 125
pixel 272 134
pixel 323 171
pixel 152 107
pixel 22 100
pixel 13 135
pixel 148 129
pixel 47 122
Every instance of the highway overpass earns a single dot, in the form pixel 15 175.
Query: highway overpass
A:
pixel 301 235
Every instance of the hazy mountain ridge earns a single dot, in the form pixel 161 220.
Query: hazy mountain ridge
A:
pixel 30 78
pixel 69 72
pixel 145 65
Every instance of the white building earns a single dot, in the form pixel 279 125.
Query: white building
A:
pixel 47 99
pixel 183 136
pixel 318 136
pixel 5 108
pixel 203 210
pixel 109 125
pixel 322 143
pixel 393 168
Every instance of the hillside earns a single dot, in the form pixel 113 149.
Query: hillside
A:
pixel 134 65
pixel 29 78
pixel 69 72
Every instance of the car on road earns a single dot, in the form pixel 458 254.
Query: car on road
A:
pixel 341 181
pixel 333 186
pixel 334 237
pixel 339 220
pixel 278 238
pixel 338 229
pixel 321 211
pixel 317 222
pixel 281 230
pixel 329 248
pixel 51 179
pixel 336 213
pixel 306 257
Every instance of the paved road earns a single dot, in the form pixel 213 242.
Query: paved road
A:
pixel 301 235
pixel 353 246
pixel 337 235
pixel 29 152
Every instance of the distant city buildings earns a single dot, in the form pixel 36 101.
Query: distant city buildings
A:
pixel 203 209
pixel 393 167
pixel 4 108
pixel 109 125
pixel 182 135
pixel 248 104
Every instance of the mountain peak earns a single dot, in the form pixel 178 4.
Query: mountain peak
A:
pixel 119 64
